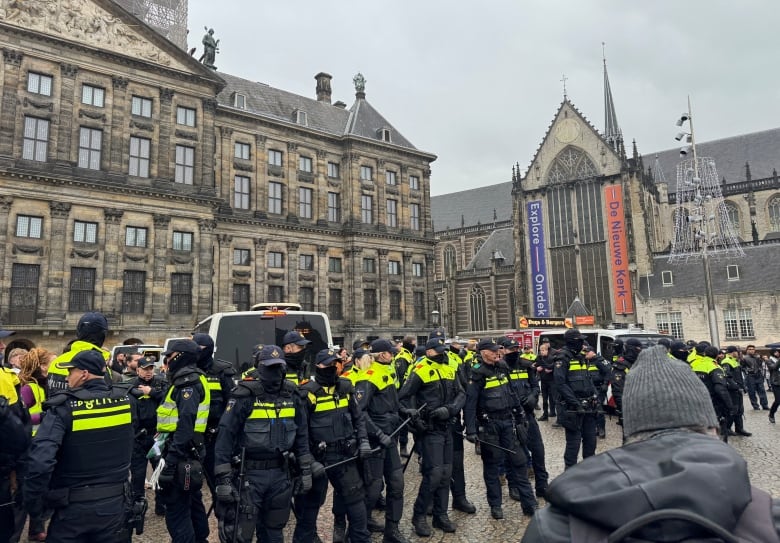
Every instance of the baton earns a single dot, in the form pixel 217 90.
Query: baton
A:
pixel 351 458
pixel 496 446
pixel 409 459
pixel 7 504
pixel 407 421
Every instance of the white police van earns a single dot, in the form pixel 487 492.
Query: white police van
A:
pixel 602 339
pixel 237 333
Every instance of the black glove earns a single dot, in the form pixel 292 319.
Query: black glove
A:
pixel 317 469
pixel 167 475
pixel 385 440
pixel 529 402
pixel 440 413
pixel 580 408
pixel 225 491
pixel 471 438
pixel 364 450
pixel 410 412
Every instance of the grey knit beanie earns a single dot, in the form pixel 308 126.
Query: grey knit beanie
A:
pixel 661 393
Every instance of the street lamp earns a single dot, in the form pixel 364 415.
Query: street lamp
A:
pixel 435 315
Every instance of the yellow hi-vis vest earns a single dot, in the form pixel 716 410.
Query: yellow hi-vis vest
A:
pixel 40 396
pixel 168 411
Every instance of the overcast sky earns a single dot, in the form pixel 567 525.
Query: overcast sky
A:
pixel 478 83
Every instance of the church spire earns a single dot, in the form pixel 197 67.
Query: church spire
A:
pixel 611 129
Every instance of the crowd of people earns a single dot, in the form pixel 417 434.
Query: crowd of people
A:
pixel 81 431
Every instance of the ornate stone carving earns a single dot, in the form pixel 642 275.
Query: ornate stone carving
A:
pixel 224 239
pixel 381 163
pixel 182 258
pixel 243 165
pixel 186 135
pixel 12 57
pixel 84 253
pixel 334 182
pixel 207 225
pixel 391 189
pixel 242 273
pixel 143 126
pixel 92 115
pixel 260 243
pixel 38 104
pixel 383 252
pixel 68 70
pixel 60 210
pixel 84 22
pixel 322 250
pixel 292 146
pixel 209 105
pixel 276 275
pixel 427 173
pixel 225 131
pixel 119 83
pixel 141 257
pixel 293 245
pixel 26 249
pixel 161 221
pixel 166 95
pixel 5 202
pixel 322 154
pixel 367 186
pixel 260 141
pixel 113 215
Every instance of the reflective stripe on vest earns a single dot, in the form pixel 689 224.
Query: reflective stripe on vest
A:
pixel 519 374
pixel 327 403
pixel 576 366
pixel 268 411
pixel 168 411
pixel 116 413
pixel 495 381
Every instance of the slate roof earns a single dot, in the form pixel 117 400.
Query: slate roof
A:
pixel 577 309
pixel 474 205
pixel 500 239
pixel 361 120
pixel 760 149
pixel 687 278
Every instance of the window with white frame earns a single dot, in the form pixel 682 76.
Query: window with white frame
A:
pixel 391 178
pixel 241 192
pixel 334 170
pixel 275 191
pixel 732 272
pixel 182 241
pixel 135 236
pixel 90 144
pixel 304 202
pixel 367 209
pixel 239 101
pixel 670 323
pixel 414 182
pixel 185 116
pixel 414 216
pixel 366 173
pixel 242 150
pixel 334 207
pixel 29 227
pixel 140 106
pixel 274 158
pixel 36 139
pixel 275 259
pixel 417 269
pixel 140 154
pixel 301 118
pixel 392 213
pixel 39 83
pixel 92 96
pixel 666 278
pixel 85 232
pixel 305 164
pixel 242 257
pixel 185 164
pixel 393 267
pixel 739 323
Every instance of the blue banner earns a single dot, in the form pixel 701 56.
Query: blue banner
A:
pixel 539 290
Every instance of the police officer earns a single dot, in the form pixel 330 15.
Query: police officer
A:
pixel 295 346
pixel 630 350
pixel 712 376
pixel 600 375
pixel 433 382
pixel 90 335
pixel 337 431
pixel 219 377
pixel 80 456
pixel 403 360
pixel 378 398
pixel 679 351
pixel 524 381
pixel 146 391
pixel 266 419
pixel 736 386
pixel 577 398
pixel 16 429
pixel 184 415
pixel 491 419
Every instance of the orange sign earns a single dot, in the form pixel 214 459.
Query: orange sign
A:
pixel 618 250
pixel 585 320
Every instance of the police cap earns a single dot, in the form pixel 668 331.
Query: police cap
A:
pixel 90 360
pixel 327 357
pixel 204 340
pixel 633 342
pixel 294 336
pixel 711 351
pixel 437 344
pixel 269 355
pixel 487 344
pixel 572 333
pixel 186 346
pixel 731 349
pixel 382 346
pixel 437 333
pixel 92 323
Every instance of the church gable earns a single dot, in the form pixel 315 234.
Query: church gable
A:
pixel 571 149
pixel 102 25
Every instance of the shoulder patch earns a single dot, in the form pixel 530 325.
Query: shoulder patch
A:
pixel 186 393
pixel 230 404
pixel 418 366
pixel 359 394
pixel 558 364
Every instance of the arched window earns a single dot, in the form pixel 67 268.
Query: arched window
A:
pixel 571 164
pixel 774 213
pixel 477 245
pixel 450 261
pixel 478 308
pixel 732 212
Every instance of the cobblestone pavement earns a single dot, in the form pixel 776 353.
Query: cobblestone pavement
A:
pixel 760 451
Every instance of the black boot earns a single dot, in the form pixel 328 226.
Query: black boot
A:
pixel 543 417
pixel 444 524
pixel 393 534
pixel 339 529
pixel 374 526
pixel 421 527
pixel 463 504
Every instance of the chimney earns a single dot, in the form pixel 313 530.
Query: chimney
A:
pixel 340 104
pixel 323 87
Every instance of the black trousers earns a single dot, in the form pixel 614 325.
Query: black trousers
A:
pixel 270 491
pixel 6 513
pixel 185 515
pixel 138 465
pixel 458 476
pixel 580 431
pixel 776 403
pixel 548 398
pixel 436 450
pixel 385 467
pixel 502 434
pixel 88 522
pixel 536 446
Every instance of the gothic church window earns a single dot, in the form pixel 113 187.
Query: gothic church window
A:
pixel 449 261
pixel 478 308
pixel 732 212
pixel 571 164
pixel 774 213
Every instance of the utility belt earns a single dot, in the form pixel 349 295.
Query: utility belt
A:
pixel 270 463
pixel 62 497
pixel 498 415
pixel 346 447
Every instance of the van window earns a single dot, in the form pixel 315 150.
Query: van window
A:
pixel 238 334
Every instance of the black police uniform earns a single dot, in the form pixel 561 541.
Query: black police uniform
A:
pixel 336 427
pixel 145 427
pixel 265 419
pixel 736 385
pixel 458 477
pixel 712 376
pixel 184 414
pixel 16 429
pixel 90 334
pixel 79 460
pixel 402 361
pixel 377 397
pixel 522 377
pixel 601 372
pixel 490 415
pixel 577 399
pixel 620 367
pixel 433 382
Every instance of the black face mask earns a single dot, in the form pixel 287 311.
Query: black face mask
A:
pixel 271 377
pixel 440 358
pixel 326 376
pixel 512 357
pixel 575 345
pixel 295 360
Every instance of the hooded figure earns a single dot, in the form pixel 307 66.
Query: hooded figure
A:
pixel 665 467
